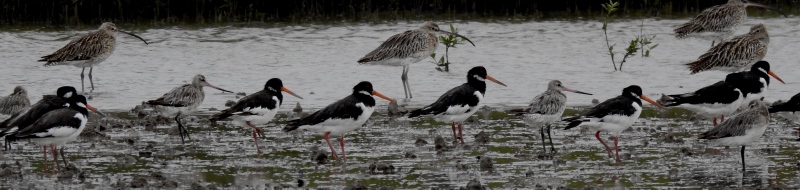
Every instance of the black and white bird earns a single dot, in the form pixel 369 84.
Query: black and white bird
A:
pixel 793 106
pixel 613 116
pixel 183 100
pixel 741 129
pixel 28 116
pixel 725 97
pixel 340 117
pixel 257 108
pixel 59 126
pixel 457 104
pixel 547 108
pixel 15 102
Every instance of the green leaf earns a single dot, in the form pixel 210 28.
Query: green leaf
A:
pixel 433 56
pixel 654 46
pixel 605 25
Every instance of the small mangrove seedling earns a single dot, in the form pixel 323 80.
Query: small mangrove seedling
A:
pixel 449 41
pixel 641 42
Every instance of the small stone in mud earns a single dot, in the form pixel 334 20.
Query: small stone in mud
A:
pixel 461 166
pixel 241 94
pixel 529 173
pixel 130 141
pixel 149 127
pixel 197 186
pixel 386 168
pixel 686 152
pixel 595 101
pixel 356 185
pixel 213 109
pixel 145 154
pixel 138 182
pixel 410 154
pixel 482 137
pixel 474 184
pixel 168 184
pixel 485 163
pixel 440 144
pixel 420 142
pixel 230 103
pixel 297 108
pixel 319 156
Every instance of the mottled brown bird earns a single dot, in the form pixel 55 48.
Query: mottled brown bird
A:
pixel 720 21
pixel 737 54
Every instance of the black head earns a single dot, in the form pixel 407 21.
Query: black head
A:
pixel 78 102
pixel 762 69
pixel 273 85
pixel 364 88
pixel 66 92
pixel 633 91
pixel 477 76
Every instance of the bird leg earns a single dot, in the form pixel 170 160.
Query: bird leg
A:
pixel 608 150
pixel 44 153
pixel 256 133
pixel 550 138
pixel 63 157
pixel 722 119
pixel 341 144
pixel 616 148
pixel 181 130
pixel 541 133
pixel 453 127
pixel 743 166
pixel 406 86
pixel 333 151
pixel 461 132
pixel 715 121
pixel 90 78
pixel 55 155
pixel 83 70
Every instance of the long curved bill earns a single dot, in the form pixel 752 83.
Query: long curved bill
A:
pixel 212 86
pixel 290 92
pixel 495 80
pixel 766 7
pixel 376 93
pixel 94 110
pixel 645 98
pixel 459 35
pixel 134 35
pixel 775 76
pixel 575 91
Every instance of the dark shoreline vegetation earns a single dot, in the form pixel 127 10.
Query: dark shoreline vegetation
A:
pixel 56 14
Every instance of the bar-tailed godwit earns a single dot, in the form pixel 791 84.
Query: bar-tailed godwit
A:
pixel 741 129
pixel 88 50
pixel 547 108
pixel 406 48
pixel 183 100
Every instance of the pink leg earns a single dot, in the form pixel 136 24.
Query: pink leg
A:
pixel 461 133
pixel 608 150
pixel 453 126
pixel 616 148
pixel 715 121
pixel 55 155
pixel 341 144
pixel 44 152
pixel 723 119
pixel 333 151
pixel 256 133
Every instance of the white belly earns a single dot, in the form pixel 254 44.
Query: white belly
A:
pixel 339 127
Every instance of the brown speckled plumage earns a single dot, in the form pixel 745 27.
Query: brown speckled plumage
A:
pixel 17 101
pixel 739 53
pixel 722 20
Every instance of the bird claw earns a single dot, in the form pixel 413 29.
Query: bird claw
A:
pixel 259 131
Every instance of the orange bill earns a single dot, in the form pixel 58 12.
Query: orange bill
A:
pixel 290 92
pixel 495 80
pixel 94 110
pixel 376 93
pixel 775 76
pixel 645 98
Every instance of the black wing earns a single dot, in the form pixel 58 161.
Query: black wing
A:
pixel 55 118
pixel 259 99
pixel 458 96
pixel 25 118
pixel 343 109
pixel 720 92
pixel 792 105
pixel 746 82
pixel 619 105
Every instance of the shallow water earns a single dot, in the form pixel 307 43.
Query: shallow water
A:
pixel 322 59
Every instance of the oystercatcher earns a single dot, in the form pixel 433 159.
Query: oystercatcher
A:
pixel 457 104
pixel 340 117
pixel 257 108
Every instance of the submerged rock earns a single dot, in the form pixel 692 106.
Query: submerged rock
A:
pixel 356 185
pixel 474 184
pixel 485 163
pixel 482 137
pixel 138 182
pixel 420 142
